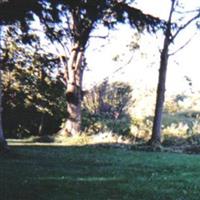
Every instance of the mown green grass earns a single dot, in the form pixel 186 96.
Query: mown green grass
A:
pixel 90 173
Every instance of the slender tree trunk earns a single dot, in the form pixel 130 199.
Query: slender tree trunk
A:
pixel 73 92
pixel 157 123
pixel 41 126
pixel 160 98
pixel 3 143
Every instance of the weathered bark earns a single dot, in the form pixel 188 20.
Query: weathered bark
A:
pixel 73 92
pixel 160 98
pixel 74 71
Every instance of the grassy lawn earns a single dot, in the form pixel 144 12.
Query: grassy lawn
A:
pixel 64 173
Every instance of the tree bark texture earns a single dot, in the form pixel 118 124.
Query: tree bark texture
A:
pixel 73 92
pixel 160 98
pixel 74 71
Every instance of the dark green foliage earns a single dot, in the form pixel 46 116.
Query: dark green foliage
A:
pixel 33 98
pixel 13 10
pixel 105 108
pixel 97 173
pixel 89 13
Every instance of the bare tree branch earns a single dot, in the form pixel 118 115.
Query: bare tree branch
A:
pixel 185 26
pixel 185 44
pixel 119 68
pixel 188 11
pixel 99 36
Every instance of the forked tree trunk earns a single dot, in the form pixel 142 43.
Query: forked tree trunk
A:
pixel 74 74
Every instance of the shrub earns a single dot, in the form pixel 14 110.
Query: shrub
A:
pixel 106 108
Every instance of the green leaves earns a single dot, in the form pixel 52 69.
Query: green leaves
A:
pixel 105 108
pixel 29 88
pixel 13 10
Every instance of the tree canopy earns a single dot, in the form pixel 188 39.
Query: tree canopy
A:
pixel 72 21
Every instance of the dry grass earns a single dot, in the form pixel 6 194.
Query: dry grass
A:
pixel 78 140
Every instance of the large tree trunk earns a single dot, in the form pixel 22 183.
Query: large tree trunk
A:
pixel 74 74
pixel 160 98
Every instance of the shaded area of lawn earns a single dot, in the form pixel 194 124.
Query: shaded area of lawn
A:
pixel 88 172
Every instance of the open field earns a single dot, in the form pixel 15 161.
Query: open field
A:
pixel 89 172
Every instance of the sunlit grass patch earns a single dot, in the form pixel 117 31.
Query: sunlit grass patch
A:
pixel 77 140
